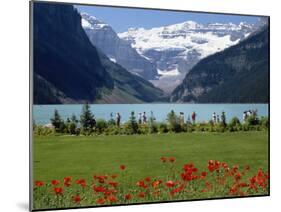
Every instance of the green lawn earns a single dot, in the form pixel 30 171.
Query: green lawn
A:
pixel 80 157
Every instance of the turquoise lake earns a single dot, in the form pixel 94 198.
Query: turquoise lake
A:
pixel 43 113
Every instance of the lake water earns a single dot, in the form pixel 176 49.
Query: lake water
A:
pixel 43 113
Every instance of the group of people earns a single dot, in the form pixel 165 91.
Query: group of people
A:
pixel 142 118
pixel 193 118
pixel 249 113
pixel 216 118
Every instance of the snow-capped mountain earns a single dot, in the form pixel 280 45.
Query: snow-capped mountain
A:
pixel 119 51
pixel 175 49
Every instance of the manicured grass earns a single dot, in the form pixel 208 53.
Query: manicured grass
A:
pixel 80 157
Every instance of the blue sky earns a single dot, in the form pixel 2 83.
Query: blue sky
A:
pixel 123 18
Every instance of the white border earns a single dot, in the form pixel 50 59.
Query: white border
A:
pixel 14 88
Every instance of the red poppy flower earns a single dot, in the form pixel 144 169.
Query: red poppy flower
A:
pixel 100 201
pixel 39 183
pixel 187 176
pixel 213 165
pixel 122 167
pixel 170 184
pixel 141 184
pixel 76 199
pixel 113 176
pixel 243 185
pixel 235 168
pixel 233 190
pixel 203 174
pixel 112 198
pixel 164 159
pixel 108 192
pixel 147 179
pixel 128 196
pixel 99 189
pixel 101 180
pixel 208 185
pixel 66 181
pixel 172 159
pixel 55 182
pixel 238 176
pixel 224 165
pixel 141 195
pixel 58 190
pixel 156 183
pixel 114 184
pixel 177 190
pixel 81 182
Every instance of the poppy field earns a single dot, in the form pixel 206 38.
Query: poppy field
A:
pixel 71 171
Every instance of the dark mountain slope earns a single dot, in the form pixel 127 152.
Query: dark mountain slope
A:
pixel 238 74
pixel 67 67
pixel 63 54
pixel 134 86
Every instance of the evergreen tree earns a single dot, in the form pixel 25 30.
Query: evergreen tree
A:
pixel 57 121
pixel 152 125
pixel 72 125
pixel 87 120
pixel 111 120
pixel 174 121
pixel 133 123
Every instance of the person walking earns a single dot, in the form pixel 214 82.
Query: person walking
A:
pixel 139 119
pixel 193 116
pixel 188 120
pixel 144 118
pixel 118 119
pixel 244 116
pixel 214 118
pixel 181 118
pixel 223 118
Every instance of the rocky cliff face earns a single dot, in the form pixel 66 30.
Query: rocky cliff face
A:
pixel 237 74
pixel 175 49
pixel 105 38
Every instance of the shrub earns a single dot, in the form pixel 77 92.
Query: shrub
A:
pixel 264 122
pixel 152 124
pixel 58 122
pixel 162 127
pixel 143 129
pixel 153 128
pixel 189 127
pixel 41 130
pixel 234 122
pixel 101 126
pixel 111 121
pixel 174 122
pixel 219 128
pixel 132 125
pixel 113 130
